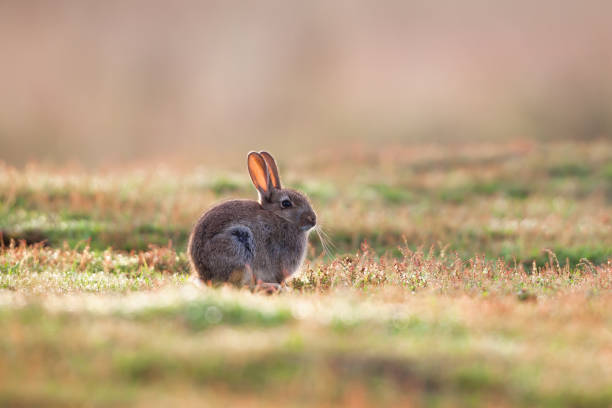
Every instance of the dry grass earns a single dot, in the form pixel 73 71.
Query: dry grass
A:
pixel 359 330
pixel 469 334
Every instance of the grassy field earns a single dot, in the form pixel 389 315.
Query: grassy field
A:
pixel 472 274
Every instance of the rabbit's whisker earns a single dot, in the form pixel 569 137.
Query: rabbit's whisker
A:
pixel 326 237
pixel 323 244
pixel 325 240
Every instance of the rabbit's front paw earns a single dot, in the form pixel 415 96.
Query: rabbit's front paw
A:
pixel 267 287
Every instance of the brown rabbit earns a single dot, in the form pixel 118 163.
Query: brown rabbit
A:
pixel 246 242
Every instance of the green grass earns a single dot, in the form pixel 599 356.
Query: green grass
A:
pixel 477 276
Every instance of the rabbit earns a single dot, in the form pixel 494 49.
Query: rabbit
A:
pixel 247 242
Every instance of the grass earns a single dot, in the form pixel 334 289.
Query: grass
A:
pixel 319 344
pixel 504 200
pixel 462 276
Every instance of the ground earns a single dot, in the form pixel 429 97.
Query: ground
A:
pixel 476 274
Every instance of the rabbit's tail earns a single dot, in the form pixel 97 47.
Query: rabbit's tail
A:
pixel 243 236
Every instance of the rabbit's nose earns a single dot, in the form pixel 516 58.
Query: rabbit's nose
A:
pixel 311 219
pixel 308 221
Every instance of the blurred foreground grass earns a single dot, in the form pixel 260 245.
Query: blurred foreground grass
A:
pixel 108 329
pixel 444 306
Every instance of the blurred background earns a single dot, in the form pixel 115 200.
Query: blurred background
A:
pixel 99 83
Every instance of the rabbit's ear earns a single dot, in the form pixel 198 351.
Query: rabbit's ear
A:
pixel 259 173
pixel 272 169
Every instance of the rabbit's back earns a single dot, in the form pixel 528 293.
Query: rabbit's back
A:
pixel 221 216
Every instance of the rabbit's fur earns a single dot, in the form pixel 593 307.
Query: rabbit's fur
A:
pixel 245 241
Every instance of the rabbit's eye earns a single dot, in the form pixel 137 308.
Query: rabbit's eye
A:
pixel 286 203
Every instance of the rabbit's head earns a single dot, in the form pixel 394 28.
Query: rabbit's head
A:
pixel 288 204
